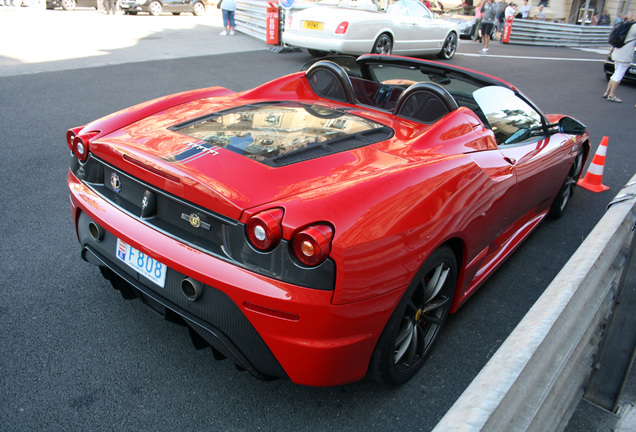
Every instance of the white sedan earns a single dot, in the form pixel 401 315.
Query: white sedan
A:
pixel 359 27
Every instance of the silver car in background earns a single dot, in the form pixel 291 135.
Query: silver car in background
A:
pixel 404 27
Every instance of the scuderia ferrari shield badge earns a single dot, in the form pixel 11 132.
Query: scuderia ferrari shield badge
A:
pixel 195 220
pixel 115 182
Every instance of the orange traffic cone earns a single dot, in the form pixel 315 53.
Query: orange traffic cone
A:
pixel 593 180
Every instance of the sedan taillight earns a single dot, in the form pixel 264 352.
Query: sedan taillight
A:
pixel 313 244
pixel 264 230
pixel 342 27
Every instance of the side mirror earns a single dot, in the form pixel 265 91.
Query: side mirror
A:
pixel 568 125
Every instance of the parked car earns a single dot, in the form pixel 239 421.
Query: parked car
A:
pixel 465 19
pixel 321 226
pixel 71 4
pixel 157 7
pixel 608 68
pixel 405 27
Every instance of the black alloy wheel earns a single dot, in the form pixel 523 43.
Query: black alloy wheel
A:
pixel 416 321
pixel 450 47
pixel 383 45
pixel 557 209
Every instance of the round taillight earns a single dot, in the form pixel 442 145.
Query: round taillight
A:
pixel 264 230
pixel 313 244
pixel 81 148
pixel 81 145
pixel 70 137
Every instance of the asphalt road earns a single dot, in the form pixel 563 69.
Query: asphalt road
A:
pixel 75 356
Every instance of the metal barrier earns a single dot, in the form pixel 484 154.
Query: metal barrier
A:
pixel 250 17
pixel 528 32
pixel 537 377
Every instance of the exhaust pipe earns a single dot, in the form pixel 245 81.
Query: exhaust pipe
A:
pixel 96 232
pixel 192 289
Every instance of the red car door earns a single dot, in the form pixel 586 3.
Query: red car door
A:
pixel 539 159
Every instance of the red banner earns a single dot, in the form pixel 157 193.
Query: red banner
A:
pixel 272 23
pixel 505 38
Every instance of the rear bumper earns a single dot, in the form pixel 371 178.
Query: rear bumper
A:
pixel 269 327
pixel 327 44
pixel 133 8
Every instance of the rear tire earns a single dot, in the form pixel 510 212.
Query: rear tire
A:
pixel 383 45
pixel 450 47
pixel 416 321
pixel 68 4
pixel 198 9
pixel 155 8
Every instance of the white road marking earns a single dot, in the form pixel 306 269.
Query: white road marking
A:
pixel 530 58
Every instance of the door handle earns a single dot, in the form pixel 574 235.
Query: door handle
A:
pixel 511 161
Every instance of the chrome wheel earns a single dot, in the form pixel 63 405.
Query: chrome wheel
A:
pixel 155 8
pixel 199 9
pixel 450 47
pixel 384 45
pixel 416 322
pixel 493 33
pixel 68 4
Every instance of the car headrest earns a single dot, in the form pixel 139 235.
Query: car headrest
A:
pixel 330 80
pixel 426 102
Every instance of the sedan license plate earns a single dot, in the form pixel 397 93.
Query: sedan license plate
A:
pixel 142 263
pixel 632 71
pixel 312 25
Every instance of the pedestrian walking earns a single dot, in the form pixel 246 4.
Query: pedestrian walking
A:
pixel 489 14
pixel 622 59
pixel 110 6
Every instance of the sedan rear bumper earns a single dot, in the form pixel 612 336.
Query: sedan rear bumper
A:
pixel 334 44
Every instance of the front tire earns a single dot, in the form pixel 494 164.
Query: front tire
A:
pixel 155 8
pixel 383 45
pixel 450 47
pixel 557 209
pixel 416 321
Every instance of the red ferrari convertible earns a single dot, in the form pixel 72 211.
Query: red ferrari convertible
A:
pixel 322 226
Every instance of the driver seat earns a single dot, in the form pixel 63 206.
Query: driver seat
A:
pixel 425 102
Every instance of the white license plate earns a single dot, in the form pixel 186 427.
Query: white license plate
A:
pixel 142 263
pixel 632 71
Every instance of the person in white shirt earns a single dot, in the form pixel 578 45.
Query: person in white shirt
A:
pixel 622 59
pixel 510 10
pixel 541 14
pixel 524 10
